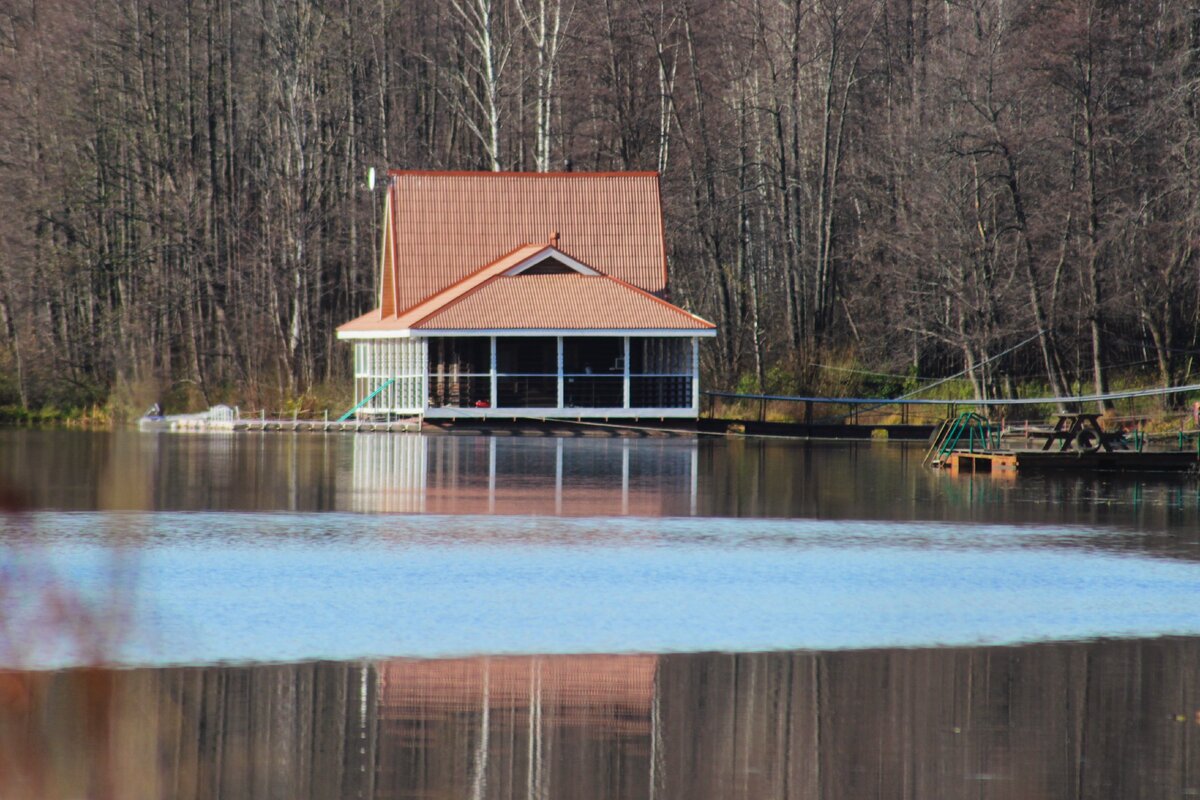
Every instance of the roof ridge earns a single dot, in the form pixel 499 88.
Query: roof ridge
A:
pixel 515 174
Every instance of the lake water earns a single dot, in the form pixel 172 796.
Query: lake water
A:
pixel 415 616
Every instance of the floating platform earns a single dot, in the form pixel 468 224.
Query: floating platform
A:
pixel 576 428
pixel 199 423
pixel 1009 462
pixel 206 423
pixel 816 430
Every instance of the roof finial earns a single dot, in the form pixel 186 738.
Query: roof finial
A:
pixel 554 239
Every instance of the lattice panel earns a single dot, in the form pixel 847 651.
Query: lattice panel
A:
pixel 377 361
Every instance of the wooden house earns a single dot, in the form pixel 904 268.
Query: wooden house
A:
pixel 516 295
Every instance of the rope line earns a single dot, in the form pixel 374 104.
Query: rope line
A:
pixel 906 400
pixel 632 427
pixel 1016 346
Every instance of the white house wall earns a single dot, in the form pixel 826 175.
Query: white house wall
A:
pixel 378 361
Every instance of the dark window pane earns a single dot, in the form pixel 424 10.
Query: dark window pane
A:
pixel 527 354
pixel 458 355
pixel 588 392
pixel 526 392
pixel 460 392
pixel 668 392
pixel 593 355
pixel 660 356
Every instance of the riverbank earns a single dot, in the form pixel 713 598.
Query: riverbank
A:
pixel 96 417
pixel 125 405
pixel 1147 414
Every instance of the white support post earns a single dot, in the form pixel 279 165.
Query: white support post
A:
pixel 560 371
pixel 558 470
pixel 359 355
pixel 695 479
pixel 626 359
pixel 494 396
pixel 492 461
pixel 424 393
pixel 696 375
pixel 625 475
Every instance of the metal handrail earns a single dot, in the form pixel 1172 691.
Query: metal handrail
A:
pixel 1002 401
pixel 972 423
pixel 937 441
pixel 366 400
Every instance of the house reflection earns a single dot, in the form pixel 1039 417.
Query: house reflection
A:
pixel 442 474
pixel 611 694
pixel 1056 721
pixel 519 726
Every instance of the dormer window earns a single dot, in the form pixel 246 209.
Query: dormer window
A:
pixel 550 261
pixel 549 266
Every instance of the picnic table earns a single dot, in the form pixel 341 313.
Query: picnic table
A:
pixel 1080 432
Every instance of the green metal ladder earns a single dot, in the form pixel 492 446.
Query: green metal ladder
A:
pixel 975 426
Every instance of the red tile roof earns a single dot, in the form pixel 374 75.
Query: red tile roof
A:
pixel 488 299
pixel 444 225
pixel 451 237
pixel 559 302
pixel 375 321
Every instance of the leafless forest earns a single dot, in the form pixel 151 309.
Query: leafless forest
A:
pixel 909 186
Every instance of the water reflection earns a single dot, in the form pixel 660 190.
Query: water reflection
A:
pixel 491 475
pixel 582 476
pixel 1100 719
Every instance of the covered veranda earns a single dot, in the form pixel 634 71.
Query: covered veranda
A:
pixel 522 374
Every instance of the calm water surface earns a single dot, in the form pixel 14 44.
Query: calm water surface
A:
pixel 800 620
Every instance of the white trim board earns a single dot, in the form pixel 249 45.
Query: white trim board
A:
pixel 445 412
pixel 408 333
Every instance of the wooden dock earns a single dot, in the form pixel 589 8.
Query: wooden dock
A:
pixel 961 462
pixel 1009 462
pixel 817 430
pixel 198 424
pixel 201 423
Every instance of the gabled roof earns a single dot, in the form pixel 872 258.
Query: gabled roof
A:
pixel 375 321
pixel 559 302
pixel 501 296
pixel 441 226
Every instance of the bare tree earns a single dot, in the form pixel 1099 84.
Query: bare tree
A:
pixel 481 74
pixel 546 26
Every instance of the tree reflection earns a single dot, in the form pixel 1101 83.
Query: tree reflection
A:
pixel 1101 719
